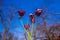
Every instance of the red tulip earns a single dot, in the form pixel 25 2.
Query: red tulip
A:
pixel 21 12
pixel 32 18
pixel 38 12
pixel 31 15
pixel 26 26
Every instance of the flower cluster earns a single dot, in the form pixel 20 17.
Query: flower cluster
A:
pixel 31 16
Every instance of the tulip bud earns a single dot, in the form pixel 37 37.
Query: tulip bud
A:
pixel 32 17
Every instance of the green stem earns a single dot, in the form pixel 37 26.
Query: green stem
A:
pixel 29 34
pixel 32 27
pixel 23 25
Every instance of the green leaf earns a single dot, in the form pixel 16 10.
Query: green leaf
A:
pixel 29 35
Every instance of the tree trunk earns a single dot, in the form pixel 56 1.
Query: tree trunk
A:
pixel 5 33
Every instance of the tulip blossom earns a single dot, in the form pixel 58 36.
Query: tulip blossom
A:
pixel 21 12
pixel 26 26
pixel 38 12
pixel 32 17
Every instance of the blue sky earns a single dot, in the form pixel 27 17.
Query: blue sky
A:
pixel 29 6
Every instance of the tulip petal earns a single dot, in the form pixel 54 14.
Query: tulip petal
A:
pixel 22 25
